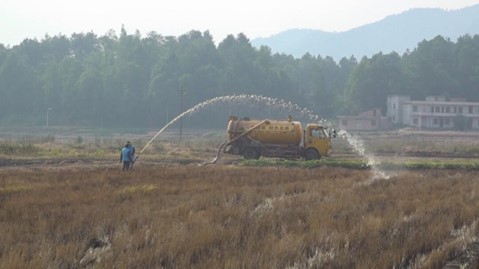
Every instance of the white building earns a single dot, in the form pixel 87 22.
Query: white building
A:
pixel 434 113
pixel 371 120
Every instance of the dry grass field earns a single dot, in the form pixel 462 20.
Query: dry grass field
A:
pixel 64 203
pixel 226 216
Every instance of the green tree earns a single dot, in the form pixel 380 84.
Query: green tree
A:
pixel 21 95
pixel 198 63
pixel 462 123
pixel 237 62
pixel 429 69
pixel 372 81
pixel 467 67
pixel 83 44
pixel 130 80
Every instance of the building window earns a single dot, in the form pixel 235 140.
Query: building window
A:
pixel 448 109
pixel 455 109
pixel 432 109
pixel 414 108
pixel 470 109
pixel 460 110
pixel 435 121
pixel 437 109
pixel 394 106
pixel 442 109
pixel 414 122
pixel 373 123
pixel 446 121
pixel 345 122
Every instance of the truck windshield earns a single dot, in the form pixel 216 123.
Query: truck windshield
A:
pixel 317 133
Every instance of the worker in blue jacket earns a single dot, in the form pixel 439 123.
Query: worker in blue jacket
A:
pixel 132 151
pixel 125 157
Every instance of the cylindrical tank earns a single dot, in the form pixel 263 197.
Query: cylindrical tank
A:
pixel 273 132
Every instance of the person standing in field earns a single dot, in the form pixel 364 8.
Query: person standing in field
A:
pixel 132 150
pixel 125 157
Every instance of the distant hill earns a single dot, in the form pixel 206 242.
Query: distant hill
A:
pixel 394 33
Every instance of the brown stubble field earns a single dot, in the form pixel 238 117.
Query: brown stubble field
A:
pixel 227 216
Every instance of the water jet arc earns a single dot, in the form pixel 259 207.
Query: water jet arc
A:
pixel 239 99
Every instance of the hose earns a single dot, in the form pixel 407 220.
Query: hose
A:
pixel 217 155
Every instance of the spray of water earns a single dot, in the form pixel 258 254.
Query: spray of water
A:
pixel 356 143
pixel 243 99
pixel 358 146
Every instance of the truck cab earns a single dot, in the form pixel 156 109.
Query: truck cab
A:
pixel 317 142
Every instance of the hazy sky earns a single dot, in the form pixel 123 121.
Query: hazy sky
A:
pixel 20 19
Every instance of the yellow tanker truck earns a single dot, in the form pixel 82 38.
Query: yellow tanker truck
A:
pixel 277 138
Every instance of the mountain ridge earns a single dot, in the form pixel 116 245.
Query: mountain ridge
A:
pixel 398 33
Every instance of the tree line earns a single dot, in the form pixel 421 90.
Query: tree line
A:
pixel 119 79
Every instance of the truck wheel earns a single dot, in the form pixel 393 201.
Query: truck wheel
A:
pixel 311 154
pixel 250 153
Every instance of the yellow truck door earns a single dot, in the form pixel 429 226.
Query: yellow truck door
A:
pixel 317 138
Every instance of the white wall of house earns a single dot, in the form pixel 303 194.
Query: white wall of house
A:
pixel 371 120
pixel 405 117
pixel 433 113
pixel 395 107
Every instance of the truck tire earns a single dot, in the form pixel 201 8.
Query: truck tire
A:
pixel 250 153
pixel 311 154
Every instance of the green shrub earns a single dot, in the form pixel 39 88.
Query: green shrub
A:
pixel 14 148
pixel 352 164
pixel 48 139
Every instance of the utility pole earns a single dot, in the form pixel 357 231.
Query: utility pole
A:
pixel 182 93
pixel 48 111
